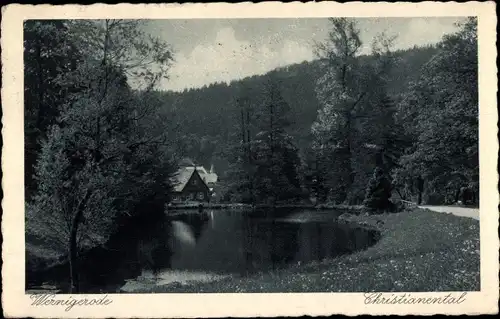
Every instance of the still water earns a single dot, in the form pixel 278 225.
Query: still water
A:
pixel 199 246
pixel 237 243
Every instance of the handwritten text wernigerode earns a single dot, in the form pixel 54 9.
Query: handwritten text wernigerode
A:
pixel 68 302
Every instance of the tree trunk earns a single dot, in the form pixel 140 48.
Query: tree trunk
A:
pixel 466 195
pixel 73 247
pixel 351 173
pixel 41 108
pixel 273 239
pixel 249 149
pixel 457 195
pixel 420 188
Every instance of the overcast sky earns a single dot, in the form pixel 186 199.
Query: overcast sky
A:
pixel 216 50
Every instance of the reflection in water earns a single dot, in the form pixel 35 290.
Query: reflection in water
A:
pixel 188 245
pixel 232 242
pixel 183 233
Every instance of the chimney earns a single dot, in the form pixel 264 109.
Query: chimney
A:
pixel 212 169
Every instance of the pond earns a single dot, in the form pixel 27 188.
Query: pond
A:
pixel 217 243
pixel 201 246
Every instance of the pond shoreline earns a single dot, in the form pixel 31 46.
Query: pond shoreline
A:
pixel 56 274
pixel 419 250
pixel 257 207
pixel 180 278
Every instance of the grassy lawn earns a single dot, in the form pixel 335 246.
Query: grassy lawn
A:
pixel 419 250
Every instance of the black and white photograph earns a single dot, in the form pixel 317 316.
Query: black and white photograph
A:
pixel 252 155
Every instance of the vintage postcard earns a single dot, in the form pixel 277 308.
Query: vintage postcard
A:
pixel 247 160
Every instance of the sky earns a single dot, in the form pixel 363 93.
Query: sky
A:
pixel 222 50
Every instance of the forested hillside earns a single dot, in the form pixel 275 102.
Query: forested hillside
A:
pixel 208 120
pixel 208 114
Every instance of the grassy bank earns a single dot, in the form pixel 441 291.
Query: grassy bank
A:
pixel 419 250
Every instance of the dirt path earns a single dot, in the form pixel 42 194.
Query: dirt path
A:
pixel 458 211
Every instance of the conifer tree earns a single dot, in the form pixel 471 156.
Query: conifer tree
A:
pixel 378 192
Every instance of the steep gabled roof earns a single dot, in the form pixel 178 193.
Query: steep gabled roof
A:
pixel 201 170
pixel 181 178
pixel 183 175
pixel 210 178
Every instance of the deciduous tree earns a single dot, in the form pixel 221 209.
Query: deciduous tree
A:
pixel 440 112
pixel 100 160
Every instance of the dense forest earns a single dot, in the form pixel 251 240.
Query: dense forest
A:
pixel 428 96
pixel 101 140
pixel 208 114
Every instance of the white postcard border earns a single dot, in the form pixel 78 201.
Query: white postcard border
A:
pixel 17 304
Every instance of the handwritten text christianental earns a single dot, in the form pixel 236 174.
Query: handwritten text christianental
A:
pixel 378 298
pixel 68 302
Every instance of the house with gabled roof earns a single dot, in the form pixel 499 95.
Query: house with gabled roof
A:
pixel 193 182
pixel 188 185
